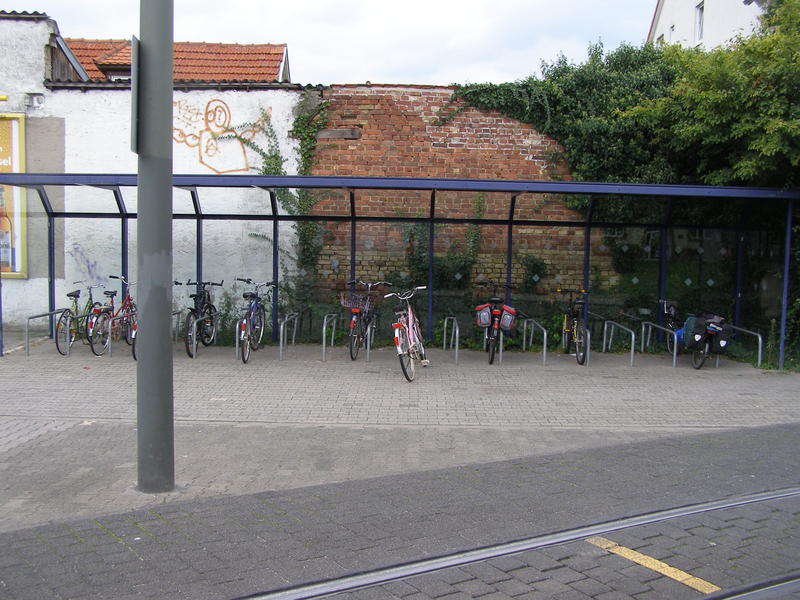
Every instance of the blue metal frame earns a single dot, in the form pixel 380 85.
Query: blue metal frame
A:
pixel 113 182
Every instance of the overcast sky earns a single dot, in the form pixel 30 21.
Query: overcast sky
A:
pixel 353 41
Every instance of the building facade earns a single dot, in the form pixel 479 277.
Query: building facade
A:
pixel 704 24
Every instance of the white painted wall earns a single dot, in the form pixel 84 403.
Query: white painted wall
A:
pixel 97 140
pixel 722 21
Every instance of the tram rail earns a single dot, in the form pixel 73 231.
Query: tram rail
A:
pixel 402 571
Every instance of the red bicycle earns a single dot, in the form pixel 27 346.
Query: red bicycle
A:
pixel 108 322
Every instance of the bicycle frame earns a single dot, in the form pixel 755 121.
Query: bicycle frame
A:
pixel 406 328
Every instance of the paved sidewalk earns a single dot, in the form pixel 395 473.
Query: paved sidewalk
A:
pixel 575 445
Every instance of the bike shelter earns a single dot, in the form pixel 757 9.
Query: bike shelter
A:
pixel 672 245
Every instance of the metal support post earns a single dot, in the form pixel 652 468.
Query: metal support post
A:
pixel 737 310
pixel 153 130
pixel 431 228
pixel 510 248
pixel 275 262
pixel 787 258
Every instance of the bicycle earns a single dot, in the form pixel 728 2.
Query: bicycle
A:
pixel 204 311
pixel 251 326
pixel 362 316
pixel 670 311
pixel 72 324
pixel 113 324
pixel 704 334
pixel 407 336
pixel 492 317
pixel 573 330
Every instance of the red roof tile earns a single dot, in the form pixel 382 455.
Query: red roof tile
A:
pixel 192 60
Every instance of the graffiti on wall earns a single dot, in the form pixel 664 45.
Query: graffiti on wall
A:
pixel 210 131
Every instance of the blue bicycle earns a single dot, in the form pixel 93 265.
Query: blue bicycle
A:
pixel 251 326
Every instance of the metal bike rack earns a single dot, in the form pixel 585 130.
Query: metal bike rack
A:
pixel 757 335
pixel 588 346
pixel 293 318
pixel 177 314
pixel 525 343
pixel 110 321
pixel 328 321
pixel 608 324
pixel 370 335
pixel 28 322
pixel 454 335
pixel 236 332
pixel 649 326
pixel 215 316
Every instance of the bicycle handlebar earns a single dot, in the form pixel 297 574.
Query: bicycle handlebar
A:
pixel 408 294
pixel 255 283
pixel 190 282
pixel 565 291
pixel 123 280
pixel 367 283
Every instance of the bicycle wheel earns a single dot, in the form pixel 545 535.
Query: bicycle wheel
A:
pixel 356 337
pixel 566 337
pixel 133 348
pixel 209 325
pixel 580 341
pixel 245 343
pixel 491 343
pixel 405 356
pixel 100 337
pixel 700 354
pixel 188 334
pixel 127 324
pixel 88 321
pixel 257 327
pixel 66 329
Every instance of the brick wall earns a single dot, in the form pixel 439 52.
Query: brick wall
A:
pixel 395 131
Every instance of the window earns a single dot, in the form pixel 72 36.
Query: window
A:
pixel 698 22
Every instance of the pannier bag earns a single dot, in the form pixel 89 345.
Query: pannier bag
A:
pixel 694 332
pixel 723 339
pixel 508 318
pixel 483 315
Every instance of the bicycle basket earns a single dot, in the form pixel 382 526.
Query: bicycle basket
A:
pixel 360 301
pixel 483 315
pixel 508 318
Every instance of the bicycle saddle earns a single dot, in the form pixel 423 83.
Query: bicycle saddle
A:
pixel 249 295
pixel 496 300
pixel 76 294
pixel 110 293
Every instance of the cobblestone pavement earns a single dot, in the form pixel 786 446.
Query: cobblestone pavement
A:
pixel 398 471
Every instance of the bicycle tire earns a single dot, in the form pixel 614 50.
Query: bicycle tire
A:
pixel 65 332
pixel 88 321
pixel 700 354
pixel 492 346
pixel 100 337
pixel 406 359
pixel 127 324
pixel 209 326
pixel 580 341
pixel 188 337
pixel 356 337
pixel 133 348
pixel 245 343
pixel 566 338
pixel 257 328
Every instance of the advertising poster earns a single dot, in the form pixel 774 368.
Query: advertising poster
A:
pixel 12 199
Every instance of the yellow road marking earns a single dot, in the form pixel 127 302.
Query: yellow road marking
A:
pixel 654 565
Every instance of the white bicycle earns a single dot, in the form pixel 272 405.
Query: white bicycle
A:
pixel 407 336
